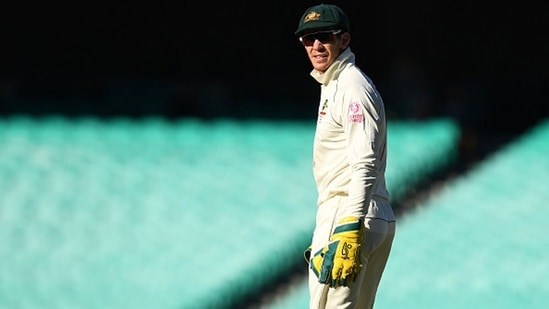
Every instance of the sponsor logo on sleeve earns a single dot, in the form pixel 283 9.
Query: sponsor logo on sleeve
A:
pixel 354 113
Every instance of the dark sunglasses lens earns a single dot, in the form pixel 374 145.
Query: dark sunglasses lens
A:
pixel 308 40
pixel 323 37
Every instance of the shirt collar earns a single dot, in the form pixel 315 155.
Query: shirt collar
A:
pixel 335 68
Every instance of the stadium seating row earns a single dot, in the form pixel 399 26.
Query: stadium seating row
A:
pixel 150 213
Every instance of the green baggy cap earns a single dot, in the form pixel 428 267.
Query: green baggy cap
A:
pixel 322 17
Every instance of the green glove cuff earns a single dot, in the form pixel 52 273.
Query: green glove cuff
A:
pixel 348 224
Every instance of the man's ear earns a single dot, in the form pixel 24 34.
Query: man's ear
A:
pixel 345 40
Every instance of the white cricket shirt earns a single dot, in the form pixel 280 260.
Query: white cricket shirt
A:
pixel 349 151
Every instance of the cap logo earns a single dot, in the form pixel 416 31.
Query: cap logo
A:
pixel 312 16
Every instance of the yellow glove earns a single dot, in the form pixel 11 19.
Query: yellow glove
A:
pixel 338 263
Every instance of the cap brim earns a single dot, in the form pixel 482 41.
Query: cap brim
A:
pixel 314 26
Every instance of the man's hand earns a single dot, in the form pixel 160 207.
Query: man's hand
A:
pixel 338 263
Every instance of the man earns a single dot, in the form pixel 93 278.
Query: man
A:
pixel 355 223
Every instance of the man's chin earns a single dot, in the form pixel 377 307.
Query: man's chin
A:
pixel 320 67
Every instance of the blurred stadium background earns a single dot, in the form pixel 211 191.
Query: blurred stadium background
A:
pixel 158 156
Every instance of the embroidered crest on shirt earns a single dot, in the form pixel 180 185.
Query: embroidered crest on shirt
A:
pixel 323 110
pixel 354 113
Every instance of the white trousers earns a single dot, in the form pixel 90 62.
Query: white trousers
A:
pixel 378 240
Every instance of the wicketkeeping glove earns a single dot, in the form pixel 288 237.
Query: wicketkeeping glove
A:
pixel 338 263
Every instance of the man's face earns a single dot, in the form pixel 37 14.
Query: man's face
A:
pixel 323 47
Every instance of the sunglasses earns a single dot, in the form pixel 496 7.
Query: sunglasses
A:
pixel 322 36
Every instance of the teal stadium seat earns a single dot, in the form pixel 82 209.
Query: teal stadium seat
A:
pixel 150 213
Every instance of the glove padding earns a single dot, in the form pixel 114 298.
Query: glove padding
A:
pixel 338 263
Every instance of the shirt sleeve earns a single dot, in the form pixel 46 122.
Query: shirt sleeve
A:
pixel 360 119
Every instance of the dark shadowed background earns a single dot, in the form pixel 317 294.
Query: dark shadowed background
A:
pixel 85 206
pixel 483 63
